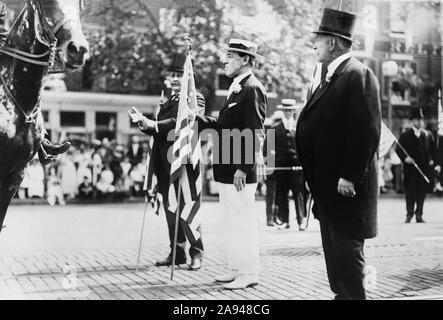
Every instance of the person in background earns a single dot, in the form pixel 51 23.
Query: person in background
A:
pixel 36 176
pixel 420 146
pixel 289 173
pixel 135 151
pixel 272 214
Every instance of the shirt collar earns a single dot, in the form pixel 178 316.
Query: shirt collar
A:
pixel 242 76
pixel 416 131
pixel 289 124
pixel 334 64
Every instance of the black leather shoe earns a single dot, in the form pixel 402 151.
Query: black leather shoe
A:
pixel 195 264
pixel 55 149
pixel 420 220
pixel 168 262
pixel 408 219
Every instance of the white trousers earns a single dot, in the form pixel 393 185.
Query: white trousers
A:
pixel 239 227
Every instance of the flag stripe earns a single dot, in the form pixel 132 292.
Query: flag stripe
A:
pixel 185 166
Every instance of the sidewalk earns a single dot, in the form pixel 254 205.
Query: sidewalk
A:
pixel 408 262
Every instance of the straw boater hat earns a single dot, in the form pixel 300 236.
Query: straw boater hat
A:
pixel 337 23
pixel 243 46
pixel 288 104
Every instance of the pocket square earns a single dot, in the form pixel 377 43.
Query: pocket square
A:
pixel 232 104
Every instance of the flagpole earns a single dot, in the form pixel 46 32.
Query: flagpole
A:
pixel 407 155
pixel 339 5
pixel 141 235
pixel 177 216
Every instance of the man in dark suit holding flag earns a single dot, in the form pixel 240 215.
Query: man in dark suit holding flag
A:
pixel 337 138
pixel 161 165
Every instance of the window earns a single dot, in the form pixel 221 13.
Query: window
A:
pixel 105 125
pixel 404 85
pixel 45 114
pixel 72 119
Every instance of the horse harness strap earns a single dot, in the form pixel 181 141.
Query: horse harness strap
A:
pixel 29 118
pixel 26 57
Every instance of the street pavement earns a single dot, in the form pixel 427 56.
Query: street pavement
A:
pixel 90 252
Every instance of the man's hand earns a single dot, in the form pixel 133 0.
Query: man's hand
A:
pixel 409 160
pixel 437 169
pixel 135 115
pixel 239 180
pixel 346 188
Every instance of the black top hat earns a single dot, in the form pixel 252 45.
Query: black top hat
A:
pixel 416 113
pixel 337 23
pixel 178 62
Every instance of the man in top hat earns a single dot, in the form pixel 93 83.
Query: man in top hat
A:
pixel 337 138
pixel 241 118
pixel 47 152
pixel 289 173
pixel 159 129
pixel 420 146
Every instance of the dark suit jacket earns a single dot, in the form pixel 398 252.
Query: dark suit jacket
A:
pixel 166 121
pixel 285 150
pixel 243 110
pixel 421 149
pixel 338 134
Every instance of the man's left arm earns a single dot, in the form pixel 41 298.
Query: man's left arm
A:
pixel 254 115
pixel 363 125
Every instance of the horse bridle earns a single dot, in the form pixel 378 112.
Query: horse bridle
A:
pixel 35 59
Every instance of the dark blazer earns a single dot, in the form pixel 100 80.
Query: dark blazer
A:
pixel 166 121
pixel 422 150
pixel 337 136
pixel 243 110
pixel 285 150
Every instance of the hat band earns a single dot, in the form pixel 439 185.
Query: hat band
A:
pixel 241 47
pixel 326 29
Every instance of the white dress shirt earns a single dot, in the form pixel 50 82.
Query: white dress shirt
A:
pixel 331 69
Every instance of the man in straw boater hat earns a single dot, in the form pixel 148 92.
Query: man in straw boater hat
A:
pixel 241 117
pixel 289 173
pixel 421 152
pixel 337 138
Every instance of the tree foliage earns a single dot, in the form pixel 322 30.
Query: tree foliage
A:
pixel 129 53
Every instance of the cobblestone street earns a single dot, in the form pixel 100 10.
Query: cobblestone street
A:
pixel 90 252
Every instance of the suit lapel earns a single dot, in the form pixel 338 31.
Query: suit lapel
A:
pixel 233 95
pixel 324 86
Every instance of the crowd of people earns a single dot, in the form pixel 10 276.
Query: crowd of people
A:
pixel 101 170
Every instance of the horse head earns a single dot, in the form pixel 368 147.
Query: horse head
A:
pixel 63 17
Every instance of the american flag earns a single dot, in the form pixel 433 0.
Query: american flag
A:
pixel 186 179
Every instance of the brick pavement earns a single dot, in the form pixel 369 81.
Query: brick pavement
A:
pixel 407 267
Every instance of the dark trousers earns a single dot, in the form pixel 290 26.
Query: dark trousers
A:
pixel 415 191
pixel 294 181
pixel 196 248
pixel 271 193
pixel 345 262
